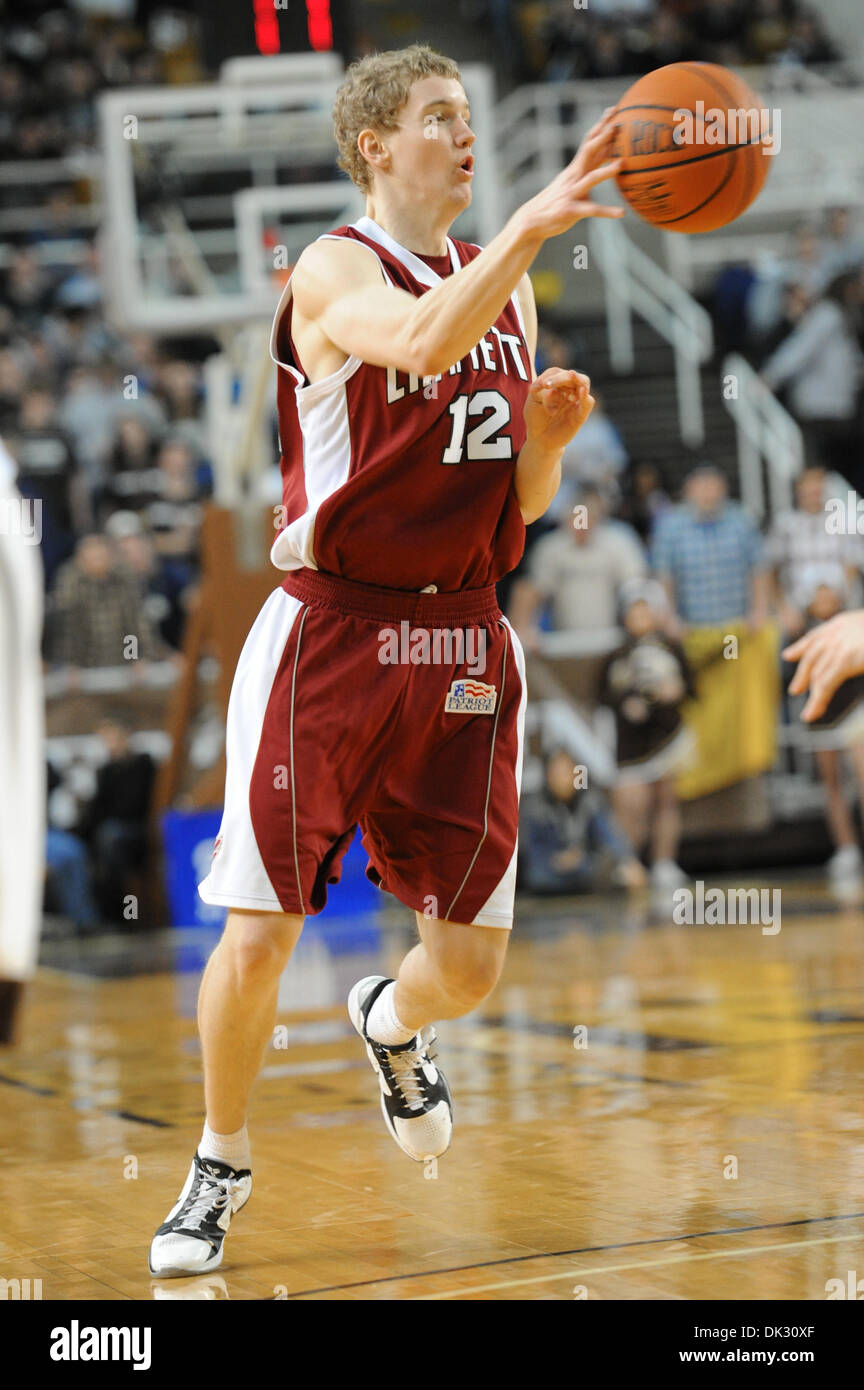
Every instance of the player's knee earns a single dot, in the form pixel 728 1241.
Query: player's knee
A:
pixel 260 949
pixel 470 980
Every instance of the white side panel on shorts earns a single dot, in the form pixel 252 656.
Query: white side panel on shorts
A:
pixel 237 876
pixel 497 911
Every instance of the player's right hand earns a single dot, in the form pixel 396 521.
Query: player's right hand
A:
pixel 566 199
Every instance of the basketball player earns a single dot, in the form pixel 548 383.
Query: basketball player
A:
pixel 828 655
pixel 381 684
pixel 22 744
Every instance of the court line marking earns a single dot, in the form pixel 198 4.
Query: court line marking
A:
pixel 81 1103
pixel 684 1258
pixel 584 1250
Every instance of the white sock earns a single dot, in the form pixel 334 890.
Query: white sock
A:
pixel 384 1024
pixel 232 1149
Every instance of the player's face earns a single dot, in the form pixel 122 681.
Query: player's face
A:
pixel 431 150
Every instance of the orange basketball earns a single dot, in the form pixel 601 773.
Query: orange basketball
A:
pixel 695 141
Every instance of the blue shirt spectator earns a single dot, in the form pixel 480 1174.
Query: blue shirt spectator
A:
pixel 709 554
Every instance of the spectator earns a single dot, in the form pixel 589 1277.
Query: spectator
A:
pixel 87 412
pixel 568 841
pixel 644 499
pixel 808 43
pixel 709 556
pixel 769 30
pixel 578 569
pixel 799 539
pixel 12 387
pixel 165 600
pixel 843 253
pixel 116 822
pixel 131 480
pixel 823 366
pixel 803 265
pixel 98 615
pixel 68 871
pixel 717 25
pixel 179 390
pixel 669 42
pixel 645 681
pixel 48 471
pixel 769 333
pixel 599 457
pixel 174 514
pixel 82 288
pixel 27 288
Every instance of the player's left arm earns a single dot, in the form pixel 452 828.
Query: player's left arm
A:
pixel 559 402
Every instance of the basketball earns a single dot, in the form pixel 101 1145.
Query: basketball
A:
pixel 697 146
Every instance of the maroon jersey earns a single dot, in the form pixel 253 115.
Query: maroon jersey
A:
pixel 397 480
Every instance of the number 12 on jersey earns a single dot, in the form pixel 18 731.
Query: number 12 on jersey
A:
pixel 483 441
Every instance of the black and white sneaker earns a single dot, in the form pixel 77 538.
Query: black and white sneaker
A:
pixel 190 1240
pixel 415 1097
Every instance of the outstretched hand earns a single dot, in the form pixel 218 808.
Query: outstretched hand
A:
pixel 567 198
pixel 827 656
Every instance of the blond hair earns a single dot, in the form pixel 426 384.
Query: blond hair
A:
pixel 373 93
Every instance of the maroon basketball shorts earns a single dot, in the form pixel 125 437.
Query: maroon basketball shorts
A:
pixel 401 712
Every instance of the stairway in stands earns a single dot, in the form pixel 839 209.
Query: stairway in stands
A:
pixel 643 404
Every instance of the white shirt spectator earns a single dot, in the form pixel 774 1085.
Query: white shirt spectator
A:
pixel 581 578
pixel 823 363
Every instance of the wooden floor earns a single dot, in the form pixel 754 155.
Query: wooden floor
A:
pixel 597 1172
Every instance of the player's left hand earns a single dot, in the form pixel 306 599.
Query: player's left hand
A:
pixel 559 402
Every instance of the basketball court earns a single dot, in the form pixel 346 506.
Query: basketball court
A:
pixel 602 1170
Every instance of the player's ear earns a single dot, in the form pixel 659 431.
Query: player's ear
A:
pixel 373 150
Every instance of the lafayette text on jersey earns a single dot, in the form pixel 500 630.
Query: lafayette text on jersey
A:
pixel 396 480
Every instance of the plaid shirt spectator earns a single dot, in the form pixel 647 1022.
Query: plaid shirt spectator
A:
pixel 710 560
pixel 96 607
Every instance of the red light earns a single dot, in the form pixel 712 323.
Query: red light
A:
pixel 319 25
pixel 266 27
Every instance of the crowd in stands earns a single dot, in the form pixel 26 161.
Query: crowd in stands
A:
pixel 689 618
pixel 800 317
pixel 557 40
pixel 107 428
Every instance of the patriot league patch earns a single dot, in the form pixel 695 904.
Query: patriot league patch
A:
pixel 471 697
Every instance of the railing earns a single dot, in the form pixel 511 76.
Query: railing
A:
pixel 633 283
pixel 766 432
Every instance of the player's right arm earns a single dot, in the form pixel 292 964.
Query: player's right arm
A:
pixel 337 283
